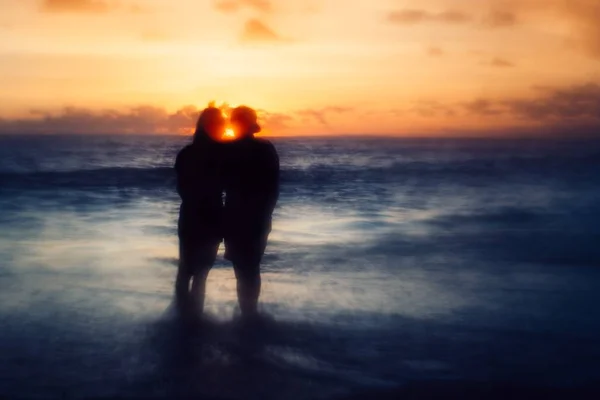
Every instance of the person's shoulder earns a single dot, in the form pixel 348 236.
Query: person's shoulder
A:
pixel 185 154
pixel 265 144
pixel 263 141
pixel 188 149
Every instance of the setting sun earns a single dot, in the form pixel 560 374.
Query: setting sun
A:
pixel 229 134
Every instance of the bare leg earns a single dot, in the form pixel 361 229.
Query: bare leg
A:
pixel 182 283
pixel 199 289
pixel 182 289
pixel 248 288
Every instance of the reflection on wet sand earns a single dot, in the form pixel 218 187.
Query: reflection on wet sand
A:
pixel 233 359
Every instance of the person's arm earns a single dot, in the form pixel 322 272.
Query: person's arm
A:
pixel 179 171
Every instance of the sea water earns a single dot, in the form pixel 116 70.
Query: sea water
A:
pixel 390 261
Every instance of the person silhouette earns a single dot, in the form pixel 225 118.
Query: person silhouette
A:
pixel 251 194
pixel 199 183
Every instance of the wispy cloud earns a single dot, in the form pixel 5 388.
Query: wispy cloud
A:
pixel 152 120
pixel 275 122
pixel 573 108
pixel 578 18
pixel 501 63
pixel 484 107
pixel 435 51
pixel 551 109
pixel 415 16
pixel 573 102
pixel 494 19
pixel 256 31
pixel 322 115
pixel 231 6
pixel 577 103
pixel 145 119
pixel 432 108
pixel 585 15
pixel 500 19
pixel 92 6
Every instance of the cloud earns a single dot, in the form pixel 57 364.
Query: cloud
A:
pixel 144 119
pixel 415 16
pixel 322 115
pixel 92 6
pixel 483 107
pixel 227 6
pixel 455 17
pixel 431 108
pixel 574 102
pixel 435 51
pixel 149 120
pixel 547 111
pixel 494 19
pixel 275 122
pixel 501 63
pixel 232 6
pixel 256 31
pixel 500 19
pixel 574 108
pixel 576 20
pixel 578 104
pixel 407 16
pixel 583 16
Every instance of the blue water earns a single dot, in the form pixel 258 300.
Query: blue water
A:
pixel 391 261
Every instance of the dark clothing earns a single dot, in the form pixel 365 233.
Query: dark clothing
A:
pixel 244 250
pixel 200 186
pixel 196 255
pixel 252 191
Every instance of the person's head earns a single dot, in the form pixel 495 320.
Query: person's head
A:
pixel 244 122
pixel 211 124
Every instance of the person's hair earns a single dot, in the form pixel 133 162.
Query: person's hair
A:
pixel 207 116
pixel 246 117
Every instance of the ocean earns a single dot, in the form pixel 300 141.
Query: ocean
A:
pixel 392 262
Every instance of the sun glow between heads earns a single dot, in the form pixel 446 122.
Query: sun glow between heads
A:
pixel 225 108
pixel 229 134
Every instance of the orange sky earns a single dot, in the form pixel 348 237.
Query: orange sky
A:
pixel 406 67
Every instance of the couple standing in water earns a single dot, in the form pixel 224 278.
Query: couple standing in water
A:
pixel 228 193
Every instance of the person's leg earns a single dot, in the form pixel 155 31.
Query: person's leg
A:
pixel 204 259
pixel 182 286
pixel 182 281
pixel 199 288
pixel 248 287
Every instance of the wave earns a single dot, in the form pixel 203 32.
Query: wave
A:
pixel 478 169
pixel 90 179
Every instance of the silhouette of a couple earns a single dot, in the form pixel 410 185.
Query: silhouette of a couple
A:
pixel 245 173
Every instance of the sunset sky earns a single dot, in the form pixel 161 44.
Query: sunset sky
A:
pixel 405 67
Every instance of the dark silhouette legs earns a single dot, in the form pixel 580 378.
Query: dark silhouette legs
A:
pixel 199 288
pixel 248 288
pixel 196 258
pixel 191 299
